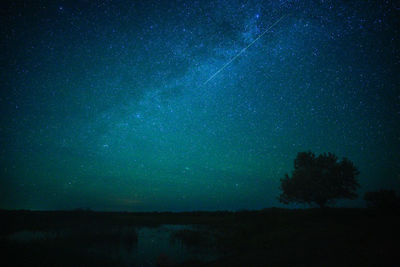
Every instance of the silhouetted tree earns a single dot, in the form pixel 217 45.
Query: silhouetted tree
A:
pixel 319 179
pixel 382 199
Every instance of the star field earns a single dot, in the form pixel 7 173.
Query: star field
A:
pixel 105 104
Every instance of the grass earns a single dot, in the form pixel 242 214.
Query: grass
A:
pixel 74 245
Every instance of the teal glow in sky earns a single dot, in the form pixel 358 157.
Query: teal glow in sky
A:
pixel 105 104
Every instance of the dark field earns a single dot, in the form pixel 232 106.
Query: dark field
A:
pixel 272 237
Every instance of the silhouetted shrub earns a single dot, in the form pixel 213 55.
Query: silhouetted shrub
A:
pixel 382 199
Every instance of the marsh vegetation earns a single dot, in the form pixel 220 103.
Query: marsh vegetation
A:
pixel 274 237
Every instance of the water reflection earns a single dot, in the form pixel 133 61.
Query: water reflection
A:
pixel 156 245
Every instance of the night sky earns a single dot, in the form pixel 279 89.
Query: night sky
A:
pixel 115 105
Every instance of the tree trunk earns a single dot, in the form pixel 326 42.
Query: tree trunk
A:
pixel 322 203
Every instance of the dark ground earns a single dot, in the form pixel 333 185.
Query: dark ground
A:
pixel 271 237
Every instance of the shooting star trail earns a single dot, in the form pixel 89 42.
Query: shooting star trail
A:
pixel 243 50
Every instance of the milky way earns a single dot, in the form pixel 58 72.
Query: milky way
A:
pixel 109 105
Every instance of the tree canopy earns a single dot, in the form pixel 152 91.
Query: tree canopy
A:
pixel 319 179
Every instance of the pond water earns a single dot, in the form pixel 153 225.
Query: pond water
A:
pixel 155 244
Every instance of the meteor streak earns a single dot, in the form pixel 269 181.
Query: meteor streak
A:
pixel 242 51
